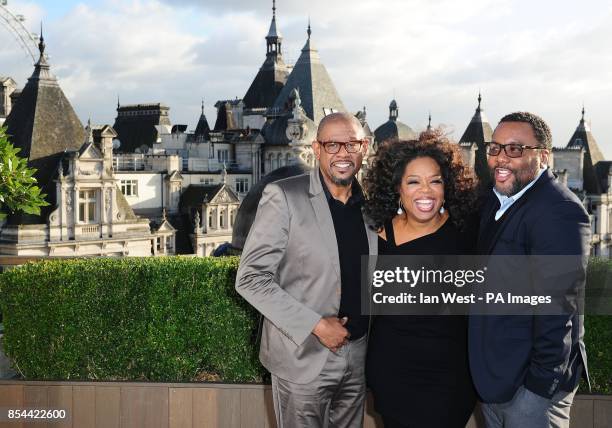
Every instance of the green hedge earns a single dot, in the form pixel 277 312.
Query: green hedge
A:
pixel 598 328
pixel 167 319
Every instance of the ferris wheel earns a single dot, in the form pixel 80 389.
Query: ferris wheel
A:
pixel 27 41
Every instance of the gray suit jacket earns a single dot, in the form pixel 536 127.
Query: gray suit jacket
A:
pixel 290 272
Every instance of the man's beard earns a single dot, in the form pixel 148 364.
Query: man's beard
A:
pixel 344 182
pixel 521 179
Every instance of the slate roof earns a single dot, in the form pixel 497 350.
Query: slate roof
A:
pixel 583 138
pixel 394 128
pixel 273 32
pixel 194 195
pixel 311 78
pixel 267 85
pixel 43 124
pixel 202 128
pixel 272 75
pixel 603 170
pixel 139 130
pixel 479 131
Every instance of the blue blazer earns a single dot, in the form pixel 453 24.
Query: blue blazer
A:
pixel 545 353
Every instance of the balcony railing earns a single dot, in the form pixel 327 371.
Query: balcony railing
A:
pixel 90 229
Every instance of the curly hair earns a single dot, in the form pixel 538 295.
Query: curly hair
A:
pixel 540 128
pixel 383 178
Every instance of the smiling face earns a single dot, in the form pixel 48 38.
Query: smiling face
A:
pixel 339 169
pixel 511 175
pixel 422 189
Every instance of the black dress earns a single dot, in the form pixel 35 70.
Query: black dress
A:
pixel 417 366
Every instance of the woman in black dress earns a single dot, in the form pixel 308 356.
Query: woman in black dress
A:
pixel 421 197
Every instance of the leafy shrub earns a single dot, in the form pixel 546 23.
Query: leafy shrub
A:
pixel 168 319
pixel 153 319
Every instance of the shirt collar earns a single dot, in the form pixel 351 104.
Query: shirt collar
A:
pixel 356 192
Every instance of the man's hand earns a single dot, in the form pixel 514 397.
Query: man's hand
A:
pixel 331 332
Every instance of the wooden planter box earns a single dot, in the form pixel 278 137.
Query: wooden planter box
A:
pixel 191 405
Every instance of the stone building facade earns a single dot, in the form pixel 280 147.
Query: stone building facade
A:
pixel 7 87
pixel 87 213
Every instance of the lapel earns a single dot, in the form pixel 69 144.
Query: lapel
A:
pixel 373 245
pixel 324 218
pixel 545 178
pixel 372 236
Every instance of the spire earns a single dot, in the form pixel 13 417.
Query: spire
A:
pixel 43 124
pixel 202 130
pixel 118 105
pixel 317 91
pixel 41 68
pixel 479 132
pixel 41 44
pixel 274 38
pixel 309 46
pixel 479 115
pixel 429 124
pixel 583 138
pixel 393 110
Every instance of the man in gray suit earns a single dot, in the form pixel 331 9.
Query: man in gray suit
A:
pixel 300 268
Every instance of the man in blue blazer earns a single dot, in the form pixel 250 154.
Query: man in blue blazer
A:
pixel 526 368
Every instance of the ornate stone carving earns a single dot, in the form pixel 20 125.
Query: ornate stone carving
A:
pixel 295 131
pixel 84 172
pixel 223 197
pixel 68 199
pixel 197 222
pixel 107 202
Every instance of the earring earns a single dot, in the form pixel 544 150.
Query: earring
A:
pixel 400 208
pixel 442 209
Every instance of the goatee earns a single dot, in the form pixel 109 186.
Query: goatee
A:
pixel 344 182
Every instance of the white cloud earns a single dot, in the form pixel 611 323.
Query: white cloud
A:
pixel 547 57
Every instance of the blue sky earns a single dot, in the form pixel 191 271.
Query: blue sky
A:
pixel 432 55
